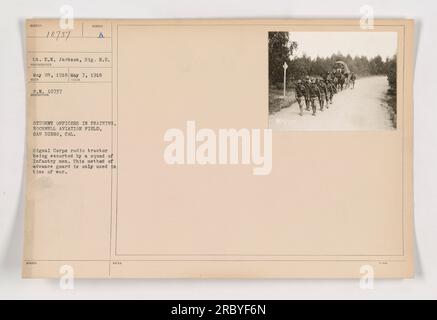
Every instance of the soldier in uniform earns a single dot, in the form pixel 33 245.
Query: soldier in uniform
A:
pixel 323 93
pixel 326 85
pixel 334 87
pixel 307 84
pixel 329 92
pixel 314 95
pixel 335 82
pixel 346 80
pixel 300 95
pixel 353 78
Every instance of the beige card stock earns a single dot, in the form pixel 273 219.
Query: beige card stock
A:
pixel 161 149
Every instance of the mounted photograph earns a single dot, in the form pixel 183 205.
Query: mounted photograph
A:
pixel 332 81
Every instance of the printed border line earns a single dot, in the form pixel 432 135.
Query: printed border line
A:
pixel 212 260
pixel 69 82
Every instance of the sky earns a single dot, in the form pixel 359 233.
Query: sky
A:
pixel 325 44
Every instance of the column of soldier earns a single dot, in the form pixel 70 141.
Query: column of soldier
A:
pixel 312 91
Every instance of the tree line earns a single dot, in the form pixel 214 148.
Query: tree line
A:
pixel 281 49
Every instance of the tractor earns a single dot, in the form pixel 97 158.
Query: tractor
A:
pixel 341 73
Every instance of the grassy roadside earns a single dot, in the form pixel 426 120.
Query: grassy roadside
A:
pixel 277 101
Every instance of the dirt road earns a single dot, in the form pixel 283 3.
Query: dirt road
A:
pixel 361 108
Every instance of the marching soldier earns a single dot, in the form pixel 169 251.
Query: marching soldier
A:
pixel 326 93
pixel 346 80
pixel 335 82
pixel 311 89
pixel 314 95
pixel 334 87
pixel 307 84
pixel 300 95
pixel 329 91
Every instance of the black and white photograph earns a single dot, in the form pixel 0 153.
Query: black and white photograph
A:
pixel 329 81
